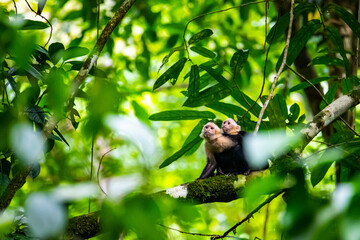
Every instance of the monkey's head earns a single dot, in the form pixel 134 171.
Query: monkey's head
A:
pixel 229 126
pixel 210 131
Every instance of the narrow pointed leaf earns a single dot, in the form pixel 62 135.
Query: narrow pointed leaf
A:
pixel 276 111
pixel 313 81
pixel 194 82
pixel 181 152
pixel 61 136
pixel 171 74
pixel 337 40
pixel 298 42
pixel 194 134
pixel 218 77
pixel 327 60
pixel 203 51
pixel 228 109
pixel 181 115
pixel 41 5
pixel 238 61
pixel 200 36
pixel 33 25
pixel 278 30
pixel 348 18
pixel 167 57
pixel 74 52
pixel 247 102
pixel 209 95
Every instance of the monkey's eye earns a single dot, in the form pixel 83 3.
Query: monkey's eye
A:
pixel 212 128
pixel 206 127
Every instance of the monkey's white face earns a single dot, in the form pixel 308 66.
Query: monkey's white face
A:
pixel 230 126
pixel 210 130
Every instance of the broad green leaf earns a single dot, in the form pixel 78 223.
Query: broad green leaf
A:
pixel 227 109
pixel 35 170
pixel 276 112
pixel 298 42
pixel 294 112
pixel 218 77
pixel 5 167
pixel 171 74
pixel 181 152
pixel 209 95
pixel 247 102
pixel 348 18
pixel 74 52
pixel 33 25
pixel 12 82
pixel 194 82
pixel 200 36
pixel 306 84
pixel 194 134
pixel 327 60
pixel 203 51
pixel 337 40
pixel 56 51
pixel 181 115
pixel 238 61
pixel 330 95
pixel 41 5
pixel 346 85
pixel 278 30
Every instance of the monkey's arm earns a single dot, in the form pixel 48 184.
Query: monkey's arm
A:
pixel 211 164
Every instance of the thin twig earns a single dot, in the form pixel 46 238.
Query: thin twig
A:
pixel 266 221
pixel 280 70
pixel 323 98
pixel 51 28
pixel 264 74
pixel 268 200
pixel 321 15
pixel 195 234
pixel 15 6
pixel 209 13
pixel 98 170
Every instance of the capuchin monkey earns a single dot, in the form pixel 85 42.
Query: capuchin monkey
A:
pixel 215 143
pixel 231 129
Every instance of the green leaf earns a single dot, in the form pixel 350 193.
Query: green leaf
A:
pixel 203 51
pixel 218 77
pixel 140 112
pixel 41 5
pixel 61 136
pixel 181 152
pixel 74 52
pixel 209 95
pixel 247 102
pixel 34 72
pixel 171 74
pixel 194 134
pixel 294 112
pixel 4 182
pixel 298 42
pixel 167 57
pixel 55 52
pixel 314 81
pixel 276 111
pixel 337 40
pixel 278 30
pixel 33 25
pixel 12 82
pixel 238 61
pixel 227 109
pixel 348 18
pixel 36 114
pixel 330 95
pixel 346 85
pixel 200 36
pixel 194 82
pixel 327 60
pixel 181 115
pixel 95 71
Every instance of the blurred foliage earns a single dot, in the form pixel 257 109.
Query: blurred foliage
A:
pixel 143 106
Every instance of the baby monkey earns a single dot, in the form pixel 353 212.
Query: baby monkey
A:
pixel 231 129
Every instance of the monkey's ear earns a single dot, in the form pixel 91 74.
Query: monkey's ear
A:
pixel 238 127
